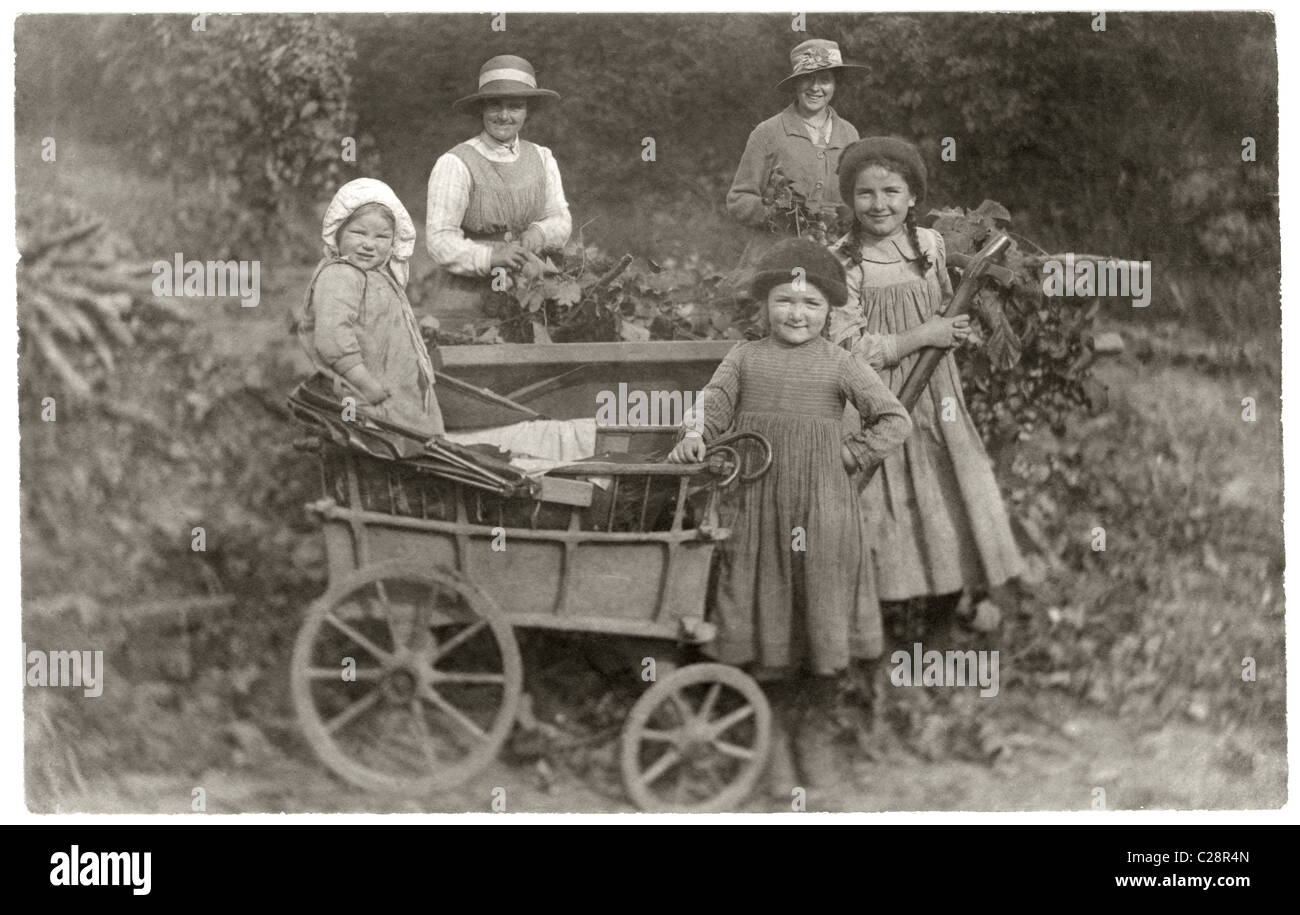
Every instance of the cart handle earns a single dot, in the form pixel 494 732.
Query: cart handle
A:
pixel 727 440
pixel 717 459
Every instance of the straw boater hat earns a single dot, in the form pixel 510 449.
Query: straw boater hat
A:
pixel 815 55
pixel 506 76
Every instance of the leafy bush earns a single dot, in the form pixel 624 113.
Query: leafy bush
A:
pixel 1032 369
pixel 249 115
pixel 1096 142
pixel 79 313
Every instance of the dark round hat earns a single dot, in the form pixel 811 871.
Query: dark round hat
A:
pixel 820 268
pixel 901 155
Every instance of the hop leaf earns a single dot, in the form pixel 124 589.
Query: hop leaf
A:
pixel 567 293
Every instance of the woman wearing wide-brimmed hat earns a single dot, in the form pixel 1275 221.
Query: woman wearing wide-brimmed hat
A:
pixel 496 197
pixel 804 142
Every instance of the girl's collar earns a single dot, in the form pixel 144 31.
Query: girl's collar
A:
pixel 892 250
pixel 786 344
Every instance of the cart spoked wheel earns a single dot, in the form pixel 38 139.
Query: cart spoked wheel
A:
pixel 405 678
pixel 696 741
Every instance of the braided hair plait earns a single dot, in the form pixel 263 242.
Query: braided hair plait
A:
pixel 852 245
pixel 910 222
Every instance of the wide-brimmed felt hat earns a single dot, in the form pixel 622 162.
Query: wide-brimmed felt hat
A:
pixel 820 268
pixel 815 55
pixel 890 149
pixel 506 76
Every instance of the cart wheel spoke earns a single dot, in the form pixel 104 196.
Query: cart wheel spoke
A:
pixel 684 710
pixel 333 673
pixel 384 611
pixel 660 766
pixel 408 636
pixel 378 653
pixel 457 640
pixel 729 721
pixel 733 750
pixel 455 714
pixel 422 735
pixel 400 638
pixel 660 736
pixel 352 711
pixel 710 700
pixel 707 779
pixel 455 676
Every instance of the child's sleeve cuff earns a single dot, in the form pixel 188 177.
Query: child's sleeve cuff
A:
pixel 345 364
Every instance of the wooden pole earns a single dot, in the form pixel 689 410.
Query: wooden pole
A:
pixel 959 304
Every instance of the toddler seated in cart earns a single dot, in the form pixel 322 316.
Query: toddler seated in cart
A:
pixel 356 322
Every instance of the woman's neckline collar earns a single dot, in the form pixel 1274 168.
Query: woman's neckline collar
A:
pixel 794 122
pixel 492 142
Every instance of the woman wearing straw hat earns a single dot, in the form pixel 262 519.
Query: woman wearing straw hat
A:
pixel 804 142
pixel 496 198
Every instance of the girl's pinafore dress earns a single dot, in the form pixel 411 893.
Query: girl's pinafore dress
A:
pixel 933 517
pixel 790 592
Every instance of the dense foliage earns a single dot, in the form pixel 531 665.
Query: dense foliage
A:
pixel 1127 142
pixel 250 115
pixel 1098 142
pixel 1029 365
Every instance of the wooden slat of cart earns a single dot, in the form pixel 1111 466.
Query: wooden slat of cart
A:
pixel 562 354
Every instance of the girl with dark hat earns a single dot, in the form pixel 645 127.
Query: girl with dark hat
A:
pixel 495 199
pixel 790 601
pixel 804 142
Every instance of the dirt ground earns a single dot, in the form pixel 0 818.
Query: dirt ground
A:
pixel 1181 767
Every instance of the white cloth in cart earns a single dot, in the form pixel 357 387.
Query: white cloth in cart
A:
pixel 537 445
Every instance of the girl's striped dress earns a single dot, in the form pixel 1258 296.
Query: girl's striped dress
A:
pixel 791 590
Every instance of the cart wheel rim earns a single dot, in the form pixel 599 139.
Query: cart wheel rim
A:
pixel 435 683
pixel 696 741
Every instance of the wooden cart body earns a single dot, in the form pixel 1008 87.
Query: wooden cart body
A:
pixel 566 570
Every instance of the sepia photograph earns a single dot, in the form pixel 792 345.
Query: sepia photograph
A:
pixel 649 413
